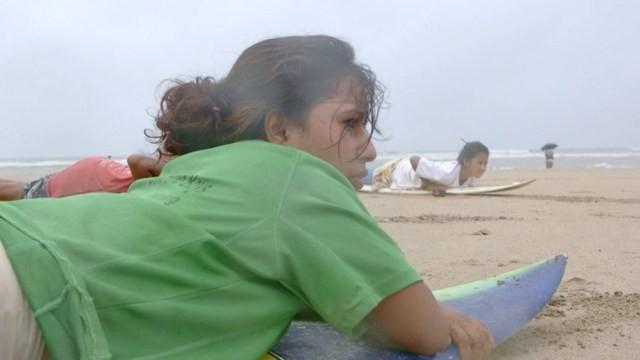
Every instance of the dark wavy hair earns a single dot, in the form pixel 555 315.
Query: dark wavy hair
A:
pixel 471 149
pixel 284 75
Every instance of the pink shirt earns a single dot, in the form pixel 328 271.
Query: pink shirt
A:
pixel 94 174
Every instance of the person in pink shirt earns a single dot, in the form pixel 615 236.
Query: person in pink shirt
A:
pixel 92 174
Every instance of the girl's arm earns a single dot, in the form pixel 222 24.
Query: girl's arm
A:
pixel 433 171
pixel 143 166
pixel 413 320
pixel 11 190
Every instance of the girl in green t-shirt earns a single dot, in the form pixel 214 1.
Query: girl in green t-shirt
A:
pixel 309 93
pixel 232 227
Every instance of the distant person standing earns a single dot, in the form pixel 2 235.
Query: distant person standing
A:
pixel 548 158
pixel 548 149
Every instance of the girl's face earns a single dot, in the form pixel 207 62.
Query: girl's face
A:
pixel 476 165
pixel 335 130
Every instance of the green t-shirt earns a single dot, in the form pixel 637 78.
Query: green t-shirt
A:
pixel 210 260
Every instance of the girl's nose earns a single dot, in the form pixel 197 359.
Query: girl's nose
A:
pixel 369 153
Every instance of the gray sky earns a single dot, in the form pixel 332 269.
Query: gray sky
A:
pixel 80 78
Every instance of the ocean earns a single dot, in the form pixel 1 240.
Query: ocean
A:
pixel 516 159
pixel 35 167
pixel 513 159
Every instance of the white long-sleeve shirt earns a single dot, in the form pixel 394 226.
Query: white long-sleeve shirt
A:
pixel 446 173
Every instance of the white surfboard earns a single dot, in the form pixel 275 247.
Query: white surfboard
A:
pixel 470 190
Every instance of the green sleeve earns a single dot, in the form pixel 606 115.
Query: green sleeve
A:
pixel 333 255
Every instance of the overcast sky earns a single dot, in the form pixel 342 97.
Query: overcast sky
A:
pixel 80 78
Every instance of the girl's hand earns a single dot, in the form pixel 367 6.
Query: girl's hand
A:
pixel 473 338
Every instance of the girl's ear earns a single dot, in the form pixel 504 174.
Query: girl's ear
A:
pixel 275 128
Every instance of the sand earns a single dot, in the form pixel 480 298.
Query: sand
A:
pixel 593 216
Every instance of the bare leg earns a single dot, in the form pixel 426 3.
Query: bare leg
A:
pixel 11 189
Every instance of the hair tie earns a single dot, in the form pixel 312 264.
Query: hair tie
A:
pixel 215 108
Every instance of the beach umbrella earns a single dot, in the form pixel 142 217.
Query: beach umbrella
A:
pixel 549 146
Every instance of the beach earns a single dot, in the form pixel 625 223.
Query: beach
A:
pixel 592 215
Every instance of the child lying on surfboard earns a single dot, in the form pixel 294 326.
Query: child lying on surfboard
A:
pixel 417 172
pixel 92 174
pixel 257 219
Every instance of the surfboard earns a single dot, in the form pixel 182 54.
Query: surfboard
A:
pixel 470 190
pixel 505 303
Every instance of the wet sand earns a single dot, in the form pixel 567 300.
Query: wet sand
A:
pixel 593 216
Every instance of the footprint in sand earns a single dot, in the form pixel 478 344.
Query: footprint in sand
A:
pixel 481 232
pixel 576 280
pixel 510 262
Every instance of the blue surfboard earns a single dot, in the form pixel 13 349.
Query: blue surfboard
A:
pixel 505 303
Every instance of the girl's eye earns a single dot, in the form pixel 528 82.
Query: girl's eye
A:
pixel 351 123
pixel 354 123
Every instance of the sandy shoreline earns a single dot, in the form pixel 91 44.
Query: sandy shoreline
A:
pixel 591 215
